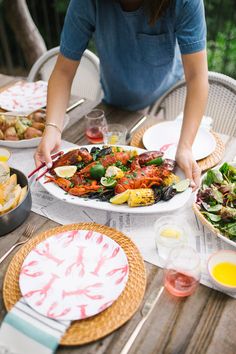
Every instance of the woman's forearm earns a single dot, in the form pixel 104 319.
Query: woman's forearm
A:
pixel 57 99
pixel 59 87
pixel 195 104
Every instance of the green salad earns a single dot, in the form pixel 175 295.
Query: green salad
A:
pixel 217 199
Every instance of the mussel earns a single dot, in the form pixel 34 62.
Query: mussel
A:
pixel 168 193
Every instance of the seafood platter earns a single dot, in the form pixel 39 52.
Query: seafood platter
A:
pixel 117 178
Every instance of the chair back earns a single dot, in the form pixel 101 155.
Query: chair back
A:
pixel 87 78
pixel 221 105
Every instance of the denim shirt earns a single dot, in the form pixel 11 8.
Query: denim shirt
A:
pixel 138 62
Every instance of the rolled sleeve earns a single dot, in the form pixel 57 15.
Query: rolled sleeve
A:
pixel 191 27
pixel 78 28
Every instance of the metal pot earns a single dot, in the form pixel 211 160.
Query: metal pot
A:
pixel 15 217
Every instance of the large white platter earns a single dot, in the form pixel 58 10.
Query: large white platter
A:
pixel 28 143
pixel 165 136
pixel 74 275
pixel 161 207
pixel 210 225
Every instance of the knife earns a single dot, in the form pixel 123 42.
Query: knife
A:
pixel 145 312
pixel 135 126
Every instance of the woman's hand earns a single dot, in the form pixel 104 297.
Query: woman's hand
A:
pixel 50 143
pixel 186 162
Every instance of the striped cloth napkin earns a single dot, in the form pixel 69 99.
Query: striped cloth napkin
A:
pixel 26 331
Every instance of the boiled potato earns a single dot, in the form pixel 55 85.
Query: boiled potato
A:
pixel 39 126
pixel 11 134
pixel 1 135
pixel 32 133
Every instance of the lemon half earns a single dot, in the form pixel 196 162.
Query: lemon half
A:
pixel 65 171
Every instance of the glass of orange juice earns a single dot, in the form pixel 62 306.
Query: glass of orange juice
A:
pixel 4 155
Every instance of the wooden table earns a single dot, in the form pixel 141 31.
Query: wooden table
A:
pixel 204 323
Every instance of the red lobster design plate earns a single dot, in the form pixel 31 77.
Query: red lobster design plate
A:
pixel 74 275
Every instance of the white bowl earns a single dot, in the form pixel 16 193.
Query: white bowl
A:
pixel 220 257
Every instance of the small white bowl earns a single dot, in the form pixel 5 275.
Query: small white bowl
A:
pixel 220 257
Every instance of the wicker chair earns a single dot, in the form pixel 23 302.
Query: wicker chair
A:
pixel 87 79
pixel 221 104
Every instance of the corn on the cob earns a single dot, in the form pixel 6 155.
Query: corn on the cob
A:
pixel 141 197
pixel 171 179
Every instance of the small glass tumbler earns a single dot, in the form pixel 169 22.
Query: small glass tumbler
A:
pixel 115 134
pixel 4 155
pixel 182 271
pixel 169 233
pixel 95 123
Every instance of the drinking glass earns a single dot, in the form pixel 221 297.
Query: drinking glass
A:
pixel 182 271
pixel 4 155
pixel 115 134
pixel 170 232
pixel 95 123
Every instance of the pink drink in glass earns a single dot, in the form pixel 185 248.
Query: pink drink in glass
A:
pixel 180 284
pixel 182 271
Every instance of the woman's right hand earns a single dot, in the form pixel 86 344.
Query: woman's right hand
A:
pixel 51 142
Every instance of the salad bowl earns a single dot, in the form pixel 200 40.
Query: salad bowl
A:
pixel 215 203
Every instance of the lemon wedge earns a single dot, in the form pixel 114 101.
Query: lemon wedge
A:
pixel 121 198
pixel 170 233
pixel 113 139
pixel 65 171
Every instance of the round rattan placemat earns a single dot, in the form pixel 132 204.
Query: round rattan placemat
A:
pixel 93 328
pixel 206 163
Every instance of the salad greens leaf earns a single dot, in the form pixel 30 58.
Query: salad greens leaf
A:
pixel 213 176
pixel 212 217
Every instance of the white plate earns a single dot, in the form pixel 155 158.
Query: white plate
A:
pixel 222 237
pixel 161 207
pixel 74 275
pixel 165 136
pixel 24 96
pixel 27 143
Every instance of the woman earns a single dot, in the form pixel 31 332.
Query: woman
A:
pixel 145 47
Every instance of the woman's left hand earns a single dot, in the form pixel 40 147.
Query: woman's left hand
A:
pixel 186 162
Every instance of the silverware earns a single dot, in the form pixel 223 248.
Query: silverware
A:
pixel 27 234
pixel 74 105
pixel 146 311
pixel 135 127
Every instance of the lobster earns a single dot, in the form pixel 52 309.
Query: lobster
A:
pixel 144 177
pixel 72 158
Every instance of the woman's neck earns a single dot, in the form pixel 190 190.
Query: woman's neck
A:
pixel 130 5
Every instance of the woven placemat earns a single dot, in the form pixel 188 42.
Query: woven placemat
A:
pixel 206 163
pixel 93 328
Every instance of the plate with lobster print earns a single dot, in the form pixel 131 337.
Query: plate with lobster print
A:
pixel 74 275
pixel 85 201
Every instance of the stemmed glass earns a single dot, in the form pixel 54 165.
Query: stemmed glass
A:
pixel 95 123
pixel 182 271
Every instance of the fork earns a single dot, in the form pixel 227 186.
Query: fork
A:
pixel 27 234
